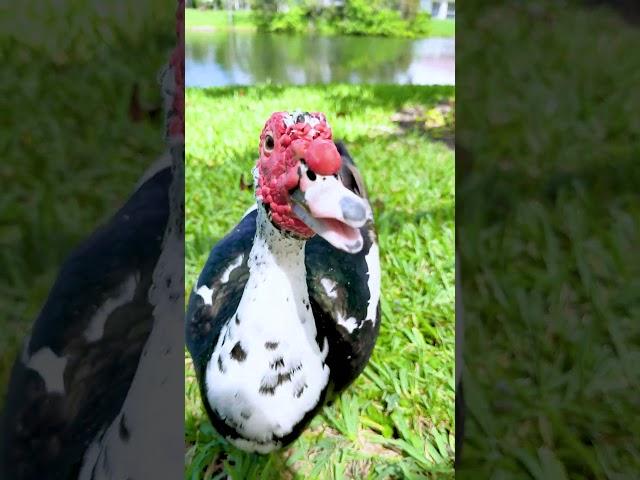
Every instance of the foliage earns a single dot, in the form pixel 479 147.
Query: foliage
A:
pixel 205 4
pixel 396 421
pixel 264 11
pixel 293 21
pixel 69 73
pixel 309 17
pixel 356 17
pixel 362 16
pixel 409 8
pixel 550 229
pixel 421 24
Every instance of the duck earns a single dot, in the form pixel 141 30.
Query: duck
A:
pixel 285 313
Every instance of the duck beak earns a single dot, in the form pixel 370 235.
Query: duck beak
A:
pixel 332 211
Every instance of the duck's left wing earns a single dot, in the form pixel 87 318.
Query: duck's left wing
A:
pixel 344 297
pixel 344 292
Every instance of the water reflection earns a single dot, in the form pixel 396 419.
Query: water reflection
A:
pixel 240 58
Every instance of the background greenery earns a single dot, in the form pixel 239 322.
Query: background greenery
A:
pixel 356 17
pixel 218 19
pixel 72 151
pixel 397 419
pixel 549 228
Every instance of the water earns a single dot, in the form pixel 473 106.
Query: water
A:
pixel 244 57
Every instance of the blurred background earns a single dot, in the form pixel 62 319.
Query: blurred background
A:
pixel 320 41
pixel 548 224
pixel 82 119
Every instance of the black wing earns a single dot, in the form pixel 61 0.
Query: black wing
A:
pixel 46 431
pixel 349 174
pixel 204 321
pixel 348 351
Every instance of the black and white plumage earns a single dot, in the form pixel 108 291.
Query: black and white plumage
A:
pixel 277 323
pixel 75 370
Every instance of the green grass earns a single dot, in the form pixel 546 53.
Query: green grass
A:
pixel 548 243
pixel 219 20
pixel 396 421
pixel 71 154
pixel 442 28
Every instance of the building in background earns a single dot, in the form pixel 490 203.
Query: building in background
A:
pixel 440 9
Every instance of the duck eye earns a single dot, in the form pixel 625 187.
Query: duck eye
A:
pixel 269 143
pixel 311 175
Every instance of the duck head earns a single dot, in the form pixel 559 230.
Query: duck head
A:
pixel 299 181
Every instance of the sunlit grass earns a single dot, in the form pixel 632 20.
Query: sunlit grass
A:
pixel 217 19
pixel 442 28
pixel 397 419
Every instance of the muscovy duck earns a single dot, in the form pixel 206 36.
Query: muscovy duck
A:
pixel 286 311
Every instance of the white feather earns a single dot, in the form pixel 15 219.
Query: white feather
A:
pixel 272 310
pixel 50 367
pixel 235 264
pixel 123 295
pixel 349 323
pixel 373 262
pixel 329 287
pixel 206 294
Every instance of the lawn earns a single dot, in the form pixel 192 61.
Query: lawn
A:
pixel 219 20
pixel 442 28
pixel 396 421
pixel 549 228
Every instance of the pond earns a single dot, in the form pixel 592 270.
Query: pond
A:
pixel 236 57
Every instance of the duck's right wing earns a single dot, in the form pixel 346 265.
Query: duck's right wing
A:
pixel 218 291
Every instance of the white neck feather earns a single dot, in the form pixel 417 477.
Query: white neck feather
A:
pixel 280 373
pixel 272 247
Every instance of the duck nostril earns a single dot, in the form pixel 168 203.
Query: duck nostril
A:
pixel 352 210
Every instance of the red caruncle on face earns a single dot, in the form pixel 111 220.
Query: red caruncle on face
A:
pixel 286 140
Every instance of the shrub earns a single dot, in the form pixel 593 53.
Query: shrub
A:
pixel 294 21
pixel 364 18
pixel 421 24
pixel 355 17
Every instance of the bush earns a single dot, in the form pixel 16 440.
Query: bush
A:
pixel 361 17
pixel 293 21
pixel 421 24
pixel 205 4
pixel 356 17
pixel 264 11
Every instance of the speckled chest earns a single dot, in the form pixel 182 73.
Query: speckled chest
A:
pixel 266 371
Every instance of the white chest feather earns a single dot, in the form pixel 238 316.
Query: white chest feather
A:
pixel 266 371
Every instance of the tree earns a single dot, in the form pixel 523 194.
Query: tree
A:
pixel 409 8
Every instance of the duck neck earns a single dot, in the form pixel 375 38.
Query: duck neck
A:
pixel 277 256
